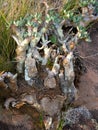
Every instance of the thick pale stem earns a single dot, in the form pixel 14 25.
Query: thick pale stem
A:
pixel 46 55
pixel 21 53
pixel 17 33
pixel 36 54
pixel 68 67
pixel 56 66
pixel 30 68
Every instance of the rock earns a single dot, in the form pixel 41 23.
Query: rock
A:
pixel 73 116
pixel 50 82
pixel 79 119
pixel 52 106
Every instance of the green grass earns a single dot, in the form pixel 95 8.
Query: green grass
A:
pixel 7 47
pixel 61 125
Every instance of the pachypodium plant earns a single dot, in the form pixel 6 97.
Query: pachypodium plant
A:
pixel 41 39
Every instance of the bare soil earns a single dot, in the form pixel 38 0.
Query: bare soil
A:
pixel 88 82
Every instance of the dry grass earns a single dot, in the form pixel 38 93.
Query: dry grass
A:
pixel 13 9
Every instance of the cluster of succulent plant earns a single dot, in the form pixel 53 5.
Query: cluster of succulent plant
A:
pixel 41 39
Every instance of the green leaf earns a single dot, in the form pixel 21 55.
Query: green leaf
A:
pixel 53 39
